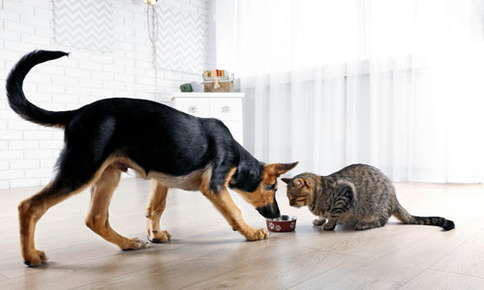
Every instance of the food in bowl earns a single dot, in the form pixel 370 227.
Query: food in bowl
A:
pixel 284 223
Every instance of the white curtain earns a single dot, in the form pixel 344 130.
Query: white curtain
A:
pixel 398 84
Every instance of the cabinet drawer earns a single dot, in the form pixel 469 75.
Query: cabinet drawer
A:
pixel 194 106
pixel 226 109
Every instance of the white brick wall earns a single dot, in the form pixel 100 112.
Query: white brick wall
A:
pixel 28 151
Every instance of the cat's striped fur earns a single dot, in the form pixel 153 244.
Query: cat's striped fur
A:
pixel 359 193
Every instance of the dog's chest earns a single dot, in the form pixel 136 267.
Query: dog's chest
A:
pixel 190 181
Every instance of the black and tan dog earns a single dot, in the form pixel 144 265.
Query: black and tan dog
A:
pixel 174 149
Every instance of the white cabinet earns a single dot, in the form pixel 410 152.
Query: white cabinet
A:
pixel 226 107
pixel 193 106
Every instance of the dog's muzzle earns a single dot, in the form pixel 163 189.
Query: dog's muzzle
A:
pixel 270 211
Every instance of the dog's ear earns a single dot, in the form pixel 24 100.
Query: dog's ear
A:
pixel 286 180
pixel 280 168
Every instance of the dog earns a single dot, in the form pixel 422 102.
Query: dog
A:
pixel 171 148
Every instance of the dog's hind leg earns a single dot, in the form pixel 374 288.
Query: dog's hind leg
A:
pixel 98 217
pixel 31 210
pixel 154 210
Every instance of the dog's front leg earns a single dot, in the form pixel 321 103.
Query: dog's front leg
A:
pixel 224 203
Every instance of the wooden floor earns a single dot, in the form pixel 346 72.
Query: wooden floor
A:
pixel 206 254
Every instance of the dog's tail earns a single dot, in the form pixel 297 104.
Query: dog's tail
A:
pixel 406 218
pixel 16 97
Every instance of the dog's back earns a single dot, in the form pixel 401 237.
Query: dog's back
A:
pixel 154 136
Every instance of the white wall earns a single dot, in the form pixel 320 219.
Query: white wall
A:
pixel 28 151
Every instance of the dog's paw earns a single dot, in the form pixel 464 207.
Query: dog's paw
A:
pixel 319 222
pixel 257 235
pixel 134 244
pixel 36 258
pixel 329 227
pixel 159 237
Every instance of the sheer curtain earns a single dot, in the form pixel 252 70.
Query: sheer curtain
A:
pixel 398 84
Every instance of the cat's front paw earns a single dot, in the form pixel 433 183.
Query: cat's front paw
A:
pixel 329 227
pixel 319 222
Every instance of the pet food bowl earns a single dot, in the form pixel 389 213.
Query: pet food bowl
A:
pixel 284 223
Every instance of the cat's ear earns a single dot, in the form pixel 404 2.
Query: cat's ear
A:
pixel 280 168
pixel 286 180
pixel 299 182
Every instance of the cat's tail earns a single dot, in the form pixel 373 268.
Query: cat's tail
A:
pixel 406 218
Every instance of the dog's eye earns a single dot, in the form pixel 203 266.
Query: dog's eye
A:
pixel 270 187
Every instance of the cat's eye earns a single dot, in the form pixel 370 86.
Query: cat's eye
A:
pixel 271 187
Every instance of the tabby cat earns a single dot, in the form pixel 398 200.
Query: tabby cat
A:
pixel 358 194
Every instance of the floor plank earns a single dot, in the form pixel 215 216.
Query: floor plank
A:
pixel 442 280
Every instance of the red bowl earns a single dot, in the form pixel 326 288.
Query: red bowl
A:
pixel 283 224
